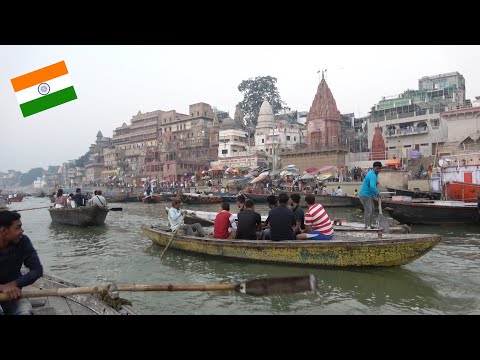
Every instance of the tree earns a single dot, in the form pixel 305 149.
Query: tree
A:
pixel 254 91
pixel 31 176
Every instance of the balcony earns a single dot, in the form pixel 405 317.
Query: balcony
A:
pixel 406 132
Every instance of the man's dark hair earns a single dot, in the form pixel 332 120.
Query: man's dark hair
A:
pixel 283 198
pixel 295 198
pixel 272 199
pixel 249 203
pixel 241 199
pixel 310 199
pixel 78 190
pixel 226 206
pixel 377 163
pixel 99 192
pixel 7 218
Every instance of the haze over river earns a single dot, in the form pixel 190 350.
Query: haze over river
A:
pixel 444 281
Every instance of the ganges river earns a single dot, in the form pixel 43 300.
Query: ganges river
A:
pixel 444 281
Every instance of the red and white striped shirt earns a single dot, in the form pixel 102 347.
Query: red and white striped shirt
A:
pixel 318 219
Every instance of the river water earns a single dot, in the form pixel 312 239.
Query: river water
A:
pixel 444 281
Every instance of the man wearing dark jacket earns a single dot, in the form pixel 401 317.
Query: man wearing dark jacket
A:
pixel 79 198
pixel 16 250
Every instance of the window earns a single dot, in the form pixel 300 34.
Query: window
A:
pixel 407 146
pixel 435 122
pixel 423 144
pixel 288 138
pixel 263 141
pixel 294 138
pixel 392 147
pixel 225 151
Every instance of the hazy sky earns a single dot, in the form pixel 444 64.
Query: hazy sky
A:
pixel 114 82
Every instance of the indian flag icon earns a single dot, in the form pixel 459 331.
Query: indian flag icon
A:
pixel 43 89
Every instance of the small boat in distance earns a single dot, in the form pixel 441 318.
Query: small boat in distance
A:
pixel 79 216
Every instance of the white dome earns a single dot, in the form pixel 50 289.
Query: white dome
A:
pixel 265 117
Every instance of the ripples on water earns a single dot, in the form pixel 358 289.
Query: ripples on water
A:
pixel 444 281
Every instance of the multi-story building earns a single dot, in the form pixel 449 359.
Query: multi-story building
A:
pixel 411 121
pixel 95 164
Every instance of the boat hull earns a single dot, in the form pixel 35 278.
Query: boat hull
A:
pixel 415 194
pixel 461 191
pixel 428 213
pixel 349 250
pixel 80 216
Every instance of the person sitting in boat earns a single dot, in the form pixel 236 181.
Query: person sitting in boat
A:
pixel 241 202
pixel 70 202
pixel 224 223
pixel 16 250
pixel 339 191
pixel 97 199
pixel 355 193
pixel 249 225
pixel 318 225
pixel 176 220
pixel 299 215
pixel 282 220
pixel 79 198
pixel 271 202
pixel 60 200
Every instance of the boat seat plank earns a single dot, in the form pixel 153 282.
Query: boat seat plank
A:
pixel 44 311
pixel 38 302
pixel 60 305
pixel 78 309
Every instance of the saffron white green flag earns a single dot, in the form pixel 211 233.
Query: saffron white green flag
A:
pixel 43 89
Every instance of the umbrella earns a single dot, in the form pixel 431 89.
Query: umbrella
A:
pixel 289 166
pixel 326 168
pixel 307 176
pixel 311 169
pixel 324 176
pixel 258 178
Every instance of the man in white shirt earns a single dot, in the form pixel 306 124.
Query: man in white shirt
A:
pixel 339 191
pixel 176 217
pixel 97 199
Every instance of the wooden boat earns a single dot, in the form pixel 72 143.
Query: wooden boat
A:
pixel 432 212
pixel 207 218
pixel 196 199
pixel 3 202
pixel 85 304
pixel 415 194
pixel 15 198
pixel 461 191
pixel 348 249
pixel 79 216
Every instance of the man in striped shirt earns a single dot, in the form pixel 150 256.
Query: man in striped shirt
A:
pixel 318 225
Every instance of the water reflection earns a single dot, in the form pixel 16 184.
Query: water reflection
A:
pixel 371 288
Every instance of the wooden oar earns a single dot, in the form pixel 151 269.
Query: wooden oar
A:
pixel 382 221
pixel 43 207
pixel 257 287
pixel 169 242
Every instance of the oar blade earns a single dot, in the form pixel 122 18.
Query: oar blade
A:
pixel 116 209
pixel 285 285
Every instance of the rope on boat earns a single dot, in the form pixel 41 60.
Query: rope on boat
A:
pixel 116 304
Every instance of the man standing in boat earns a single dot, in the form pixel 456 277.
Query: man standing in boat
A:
pixel 176 217
pixel 16 250
pixel 369 192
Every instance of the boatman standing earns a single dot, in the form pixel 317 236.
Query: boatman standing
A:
pixel 369 192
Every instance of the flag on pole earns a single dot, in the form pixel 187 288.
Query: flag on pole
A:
pixel 43 89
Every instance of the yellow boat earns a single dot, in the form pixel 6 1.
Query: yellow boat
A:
pixel 346 249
